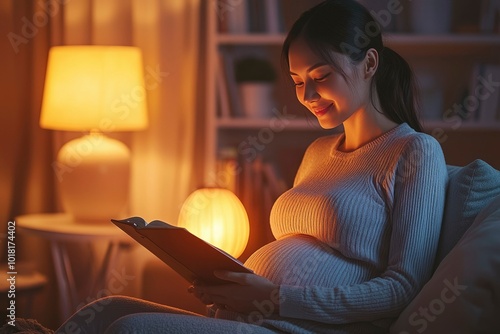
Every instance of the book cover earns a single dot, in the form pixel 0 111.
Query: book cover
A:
pixel 190 256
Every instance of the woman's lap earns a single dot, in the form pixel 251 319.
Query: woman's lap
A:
pixel 119 314
pixel 146 323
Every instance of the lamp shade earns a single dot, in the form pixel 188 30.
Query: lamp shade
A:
pixel 217 216
pixel 94 88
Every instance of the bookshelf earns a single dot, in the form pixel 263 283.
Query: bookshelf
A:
pixel 450 59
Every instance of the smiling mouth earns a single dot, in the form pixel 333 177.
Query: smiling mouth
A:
pixel 321 111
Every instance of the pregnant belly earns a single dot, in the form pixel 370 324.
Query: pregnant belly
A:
pixel 303 260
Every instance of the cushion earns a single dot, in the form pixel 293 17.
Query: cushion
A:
pixel 470 188
pixel 463 295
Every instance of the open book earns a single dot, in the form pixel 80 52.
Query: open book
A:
pixel 190 256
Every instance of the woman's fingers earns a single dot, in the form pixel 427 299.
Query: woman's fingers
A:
pixel 203 297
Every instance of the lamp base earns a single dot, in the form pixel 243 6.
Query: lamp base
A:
pixel 95 183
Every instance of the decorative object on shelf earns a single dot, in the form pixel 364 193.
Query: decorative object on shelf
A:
pixel 255 78
pixel 217 216
pixel 431 16
pixel 99 89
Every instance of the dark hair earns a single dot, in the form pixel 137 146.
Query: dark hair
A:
pixel 346 27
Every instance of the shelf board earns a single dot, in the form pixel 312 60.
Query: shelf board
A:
pixel 464 39
pixel 416 44
pixel 240 39
pixel 462 126
pixel 447 44
pixel 396 38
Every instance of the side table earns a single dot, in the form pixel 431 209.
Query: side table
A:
pixel 60 229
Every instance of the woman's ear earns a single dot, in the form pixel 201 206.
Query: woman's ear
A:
pixel 370 63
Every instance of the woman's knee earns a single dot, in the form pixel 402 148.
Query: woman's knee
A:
pixel 95 314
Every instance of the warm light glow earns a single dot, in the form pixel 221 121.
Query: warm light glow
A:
pixel 99 89
pixel 217 216
pixel 94 88
pixel 93 173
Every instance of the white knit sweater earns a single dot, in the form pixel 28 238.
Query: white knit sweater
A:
pixel 357 234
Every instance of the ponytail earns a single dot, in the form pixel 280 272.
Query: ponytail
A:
pixel 346 27
pixel 397 89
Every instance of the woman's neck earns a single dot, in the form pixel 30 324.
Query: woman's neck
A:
pixel 364 126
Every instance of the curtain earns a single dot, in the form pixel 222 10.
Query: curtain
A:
pixel 165 156
pixel 26 180
pixel 167 31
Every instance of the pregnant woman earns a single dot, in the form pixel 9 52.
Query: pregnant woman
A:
pixel 357 233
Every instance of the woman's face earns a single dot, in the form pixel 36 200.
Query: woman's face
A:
pixel 322 89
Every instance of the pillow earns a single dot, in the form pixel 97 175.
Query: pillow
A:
pixel 470 188
pixel 463 295
pixel 452 170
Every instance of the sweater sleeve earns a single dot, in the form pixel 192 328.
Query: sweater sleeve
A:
pixel 419 183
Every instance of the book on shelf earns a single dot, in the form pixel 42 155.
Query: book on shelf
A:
pixel 256 16
pixel 258 183
pixel 276 185
pixel 223 90
pixel 250 16
pixel 230 94
pixel 227 169
pixel 248 177
pixel 257 200
pixel 265 16
pixel 489 21
pixel 483 97
pixel 471 104
pixel 489 94
pixel 233 16
pixel 274 17
pixel 190 256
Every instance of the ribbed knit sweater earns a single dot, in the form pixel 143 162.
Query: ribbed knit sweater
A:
pixel 356 235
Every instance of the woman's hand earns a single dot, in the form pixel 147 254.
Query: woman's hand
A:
pixel 244 293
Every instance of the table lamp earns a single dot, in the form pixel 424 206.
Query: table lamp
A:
pixel 217 216
pixel 95 90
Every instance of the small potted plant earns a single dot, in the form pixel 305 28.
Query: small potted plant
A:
pixel 255 78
